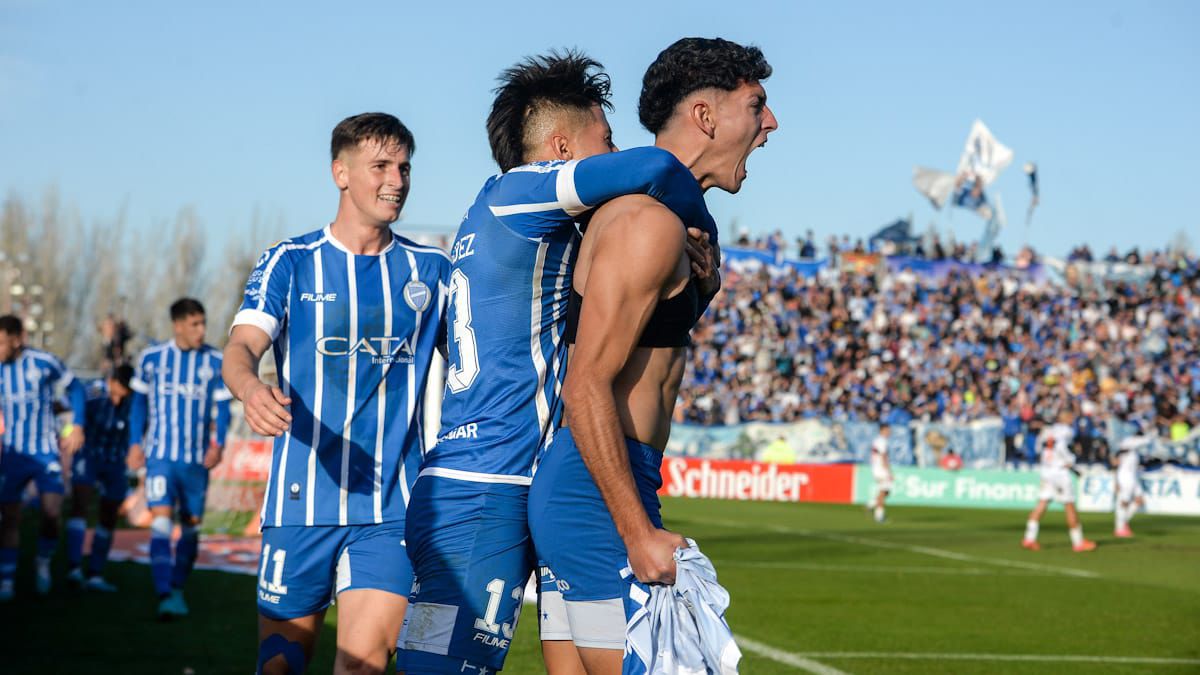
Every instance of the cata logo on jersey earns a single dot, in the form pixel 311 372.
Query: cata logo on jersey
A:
pixel 382 350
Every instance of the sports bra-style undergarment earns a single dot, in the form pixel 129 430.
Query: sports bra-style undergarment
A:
pixel 670 325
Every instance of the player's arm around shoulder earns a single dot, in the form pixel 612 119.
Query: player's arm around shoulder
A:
pixel 635 256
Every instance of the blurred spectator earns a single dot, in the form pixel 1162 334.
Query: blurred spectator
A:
pixel 950 461
pixel 779 451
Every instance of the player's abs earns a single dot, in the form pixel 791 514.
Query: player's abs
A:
pixel 646 391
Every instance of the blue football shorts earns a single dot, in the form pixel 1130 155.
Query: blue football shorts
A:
pixel 574 535
pixel 182 487
pixel 106 475
pixel 472 555
pixel 16 470
pixel 301 569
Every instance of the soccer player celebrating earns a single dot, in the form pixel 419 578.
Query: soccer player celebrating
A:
pixel 1057 465
pixel 100 463
pixel 468 535
pixel 1128 487
pixel 177 387
pixel 881 471
pixel 354 313
pixel 32 450
pixel 635 297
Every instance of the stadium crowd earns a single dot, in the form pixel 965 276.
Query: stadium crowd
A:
pixel 899 346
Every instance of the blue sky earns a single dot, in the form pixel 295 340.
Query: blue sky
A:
pixel 227 107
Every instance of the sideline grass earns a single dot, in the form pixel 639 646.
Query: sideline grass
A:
pixel 805 579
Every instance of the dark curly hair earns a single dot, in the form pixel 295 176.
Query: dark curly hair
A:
pixel 692 64
pixel 376 126
pixel 536 84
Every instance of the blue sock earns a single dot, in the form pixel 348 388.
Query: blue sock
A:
pixel 160 563
pixel 76 531
pixel 8 563
pixel 45 547
pixel 101 543
pixel 185 555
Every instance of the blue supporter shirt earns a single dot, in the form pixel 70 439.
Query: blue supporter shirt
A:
pixel 353 337
pixel 511 275
pixel 27 390
pixel 178 397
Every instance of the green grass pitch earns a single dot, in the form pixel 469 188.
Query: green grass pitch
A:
pixel 814 587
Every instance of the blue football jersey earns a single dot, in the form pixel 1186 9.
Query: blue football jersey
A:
pixel 27 386
pixel 509 284
pixel 181 394
pixel 106 426
pixel 353 337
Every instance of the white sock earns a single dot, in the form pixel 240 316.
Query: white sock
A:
pixel 1031 530
pixel 878 513
pixel 1129 511
pixel 1122 516
pixel 1077 535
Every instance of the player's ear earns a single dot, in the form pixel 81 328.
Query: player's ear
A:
pixel 702 113
pixel 560 145
pixel 340 172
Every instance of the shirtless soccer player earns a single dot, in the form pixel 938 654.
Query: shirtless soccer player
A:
pixel 634 300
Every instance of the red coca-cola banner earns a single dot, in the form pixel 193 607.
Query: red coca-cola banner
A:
pixel 756 481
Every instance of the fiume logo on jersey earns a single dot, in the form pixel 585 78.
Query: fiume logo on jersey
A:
pixel 417 295
pixel 318 297
pixel 382 350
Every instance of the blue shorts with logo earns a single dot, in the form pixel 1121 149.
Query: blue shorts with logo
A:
pixel 106 475
pixel 16 470
pixel 301 569
pixel 472 555
pixel 182 487
pixel 572 529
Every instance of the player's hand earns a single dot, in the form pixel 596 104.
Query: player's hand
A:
pixel 136 458
pixel 652 556
pixel 72 441
pixel 705 259
pixel 213 456
pixel 266 410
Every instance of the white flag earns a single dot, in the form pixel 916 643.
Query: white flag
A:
pixel 935 185
pixel 984 156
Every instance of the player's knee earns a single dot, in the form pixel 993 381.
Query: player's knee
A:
pixel 160 526
pixel 354 663
pixel 191 521
pixel 279 656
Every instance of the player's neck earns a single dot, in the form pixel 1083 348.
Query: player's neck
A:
pixel 182 347
pixel 361 238
pixel 688 153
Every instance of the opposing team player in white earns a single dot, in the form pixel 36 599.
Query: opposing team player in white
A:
pixel 1128 486
pixel 1058 463
pixel 881 471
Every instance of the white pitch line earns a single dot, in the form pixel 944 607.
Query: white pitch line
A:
pixel 786 658
pixel 878 569
pixel 923 550
pixel 1048 658
pixel 953 555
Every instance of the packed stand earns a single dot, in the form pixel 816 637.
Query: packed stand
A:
pixel 899 347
